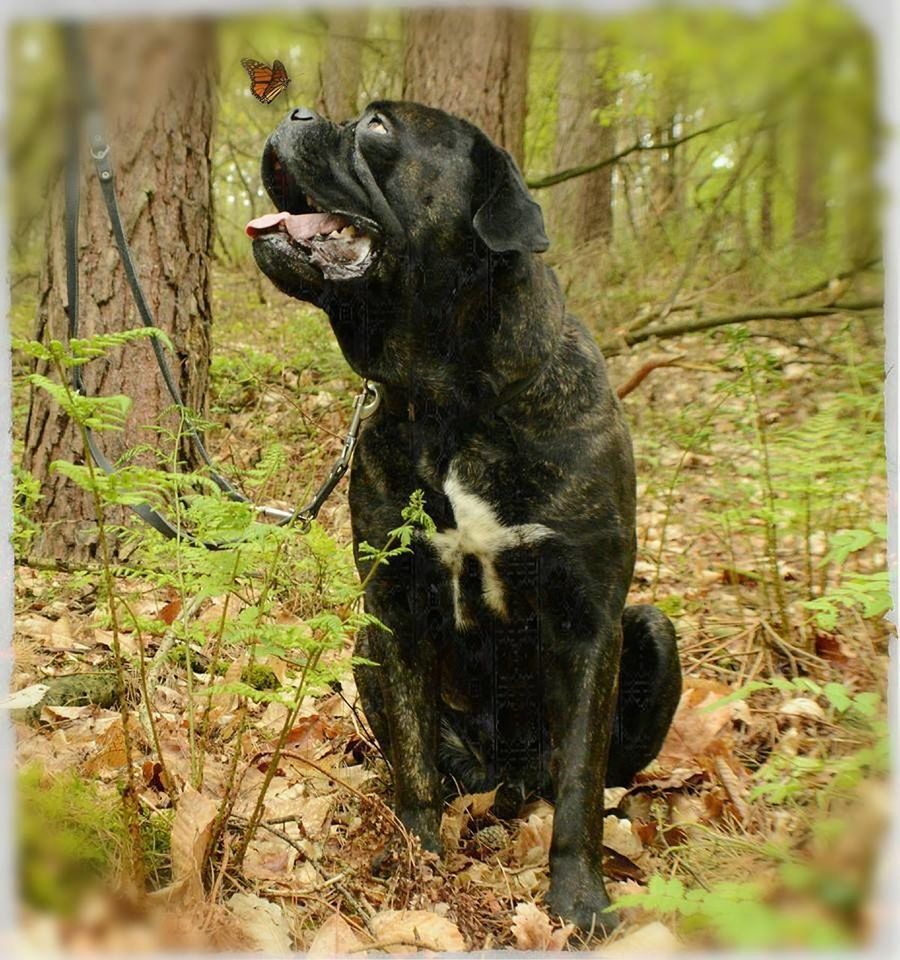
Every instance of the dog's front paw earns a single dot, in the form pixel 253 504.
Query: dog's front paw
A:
pixel 425 823
pixel 578 895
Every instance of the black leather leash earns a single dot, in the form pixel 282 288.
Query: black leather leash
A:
pixel 87 117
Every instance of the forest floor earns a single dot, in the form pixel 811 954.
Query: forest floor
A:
pixel 759 824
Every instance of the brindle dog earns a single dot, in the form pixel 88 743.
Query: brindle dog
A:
pixel 504 660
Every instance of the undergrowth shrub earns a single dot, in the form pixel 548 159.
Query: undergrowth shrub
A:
pixel 287 600
pixel 70 837
pixel 810 886
pixel 782 485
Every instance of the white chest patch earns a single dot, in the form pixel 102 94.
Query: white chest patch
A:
pixel 479 533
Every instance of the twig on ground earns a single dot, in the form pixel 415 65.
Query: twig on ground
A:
pixel 145 709
pixel 730 782
pixel 641 374
pixel 614 347
pixel 356 905
pixel 166 644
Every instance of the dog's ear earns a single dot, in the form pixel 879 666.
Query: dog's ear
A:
pixel 508 219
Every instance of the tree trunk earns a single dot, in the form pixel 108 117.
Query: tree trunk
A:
pixel 340 68
pixel 766 188
pixel 159 132
pixel 473 63
pixel 582 209
pixel 665 174
pixel 809 209
pixel 860 186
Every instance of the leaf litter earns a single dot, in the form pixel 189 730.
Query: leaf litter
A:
pixel 332 872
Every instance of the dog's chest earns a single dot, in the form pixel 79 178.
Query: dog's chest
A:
pixel 471 547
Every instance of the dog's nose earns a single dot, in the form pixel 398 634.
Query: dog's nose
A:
pixel 303 113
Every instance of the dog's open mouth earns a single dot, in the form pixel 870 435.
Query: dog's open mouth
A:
pixel 337 243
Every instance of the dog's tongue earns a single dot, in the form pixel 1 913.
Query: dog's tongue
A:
pixel 301 226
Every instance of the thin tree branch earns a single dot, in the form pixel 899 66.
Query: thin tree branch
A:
pixel 561 176
pixel 613 347
pixel 824 284
pixel 641 374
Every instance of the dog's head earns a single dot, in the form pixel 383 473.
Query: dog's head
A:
pixel 402 190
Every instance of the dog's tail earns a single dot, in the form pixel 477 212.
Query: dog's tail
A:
pixel 461 758
pixel 649 690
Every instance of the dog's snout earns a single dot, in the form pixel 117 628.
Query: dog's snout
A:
pixel 304 113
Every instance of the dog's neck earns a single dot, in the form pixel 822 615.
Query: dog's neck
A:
pixel 475 339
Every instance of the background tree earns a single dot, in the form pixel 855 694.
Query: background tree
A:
pixel 473 63
pixel 810 210
pixel 340 68
pixel 160 135
pixel 582 208
pixel 767 186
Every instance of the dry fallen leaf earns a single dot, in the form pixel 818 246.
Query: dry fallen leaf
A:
pixel 453 823
pixel 685 810
pixel 170 611
pixel 52 712
pixel 476 804
pixel 262 922
pixel 618 836
pixel 61 636
pixel 532 843
pixel 335 938
pixel 225 703
pixel 534 931
pixel 314 814
pixel 410 930
pixel 831 647
pixel 695 731
pixel 109 753
pixel 802 707
pixel 306 734
pixel 35 626
pixel 24 698
pixel 191 831
pixel 268 858
pixel 652 940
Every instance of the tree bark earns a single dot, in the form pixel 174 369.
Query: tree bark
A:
pixel 809 209
pixel 667 174
pixel 767 187
pixel 861 189
pixel 340 69
pixel 582 210
pixel 473 63
pixel 159 132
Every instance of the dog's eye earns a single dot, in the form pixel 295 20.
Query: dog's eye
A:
pixel 376 125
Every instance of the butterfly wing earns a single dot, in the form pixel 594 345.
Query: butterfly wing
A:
pixel 277 83
pixel 260 78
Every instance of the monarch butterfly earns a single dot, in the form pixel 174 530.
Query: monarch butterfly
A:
pixel 266 82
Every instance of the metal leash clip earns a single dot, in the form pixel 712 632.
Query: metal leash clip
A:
pixel 367 401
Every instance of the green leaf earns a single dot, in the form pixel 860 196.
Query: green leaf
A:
pixel 867 703
pixel 740 694
pixel 836 694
